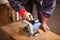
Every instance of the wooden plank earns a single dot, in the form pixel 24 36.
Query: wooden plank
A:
pixel 4 18
pixel 12 12
pixel 13 30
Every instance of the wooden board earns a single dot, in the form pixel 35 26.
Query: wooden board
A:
pixel 13 31
pixel 4 18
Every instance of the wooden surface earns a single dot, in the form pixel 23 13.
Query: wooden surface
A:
pixel 6 12
pixel 13 31
pixel 4 15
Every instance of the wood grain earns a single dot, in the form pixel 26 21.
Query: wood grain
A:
pixel 14 31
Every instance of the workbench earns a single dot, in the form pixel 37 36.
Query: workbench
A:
pixel 4 14
pixel 7 14
pixel 14 31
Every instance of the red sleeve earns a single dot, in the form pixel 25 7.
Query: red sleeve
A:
pixel 44 15
pixel 21 12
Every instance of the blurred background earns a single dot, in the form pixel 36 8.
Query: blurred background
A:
pixel 8 15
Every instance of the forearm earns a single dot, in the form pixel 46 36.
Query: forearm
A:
pixel 44 19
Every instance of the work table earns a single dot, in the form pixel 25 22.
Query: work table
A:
pixel 14 30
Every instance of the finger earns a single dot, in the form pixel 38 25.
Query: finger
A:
pixel 48 29
pixel 43 28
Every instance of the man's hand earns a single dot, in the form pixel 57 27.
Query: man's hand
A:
pixel 44 25
pixel 26 16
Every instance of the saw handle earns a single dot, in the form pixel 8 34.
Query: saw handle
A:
pixel 32 20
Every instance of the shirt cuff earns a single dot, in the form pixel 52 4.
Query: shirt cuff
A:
pixel 21 12
pixel 45 15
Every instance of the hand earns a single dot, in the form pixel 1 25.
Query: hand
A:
pixel 45 27
pixel 26 16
